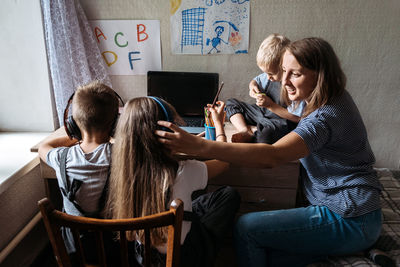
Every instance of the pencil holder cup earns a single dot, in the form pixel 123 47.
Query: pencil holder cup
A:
pixel 210 132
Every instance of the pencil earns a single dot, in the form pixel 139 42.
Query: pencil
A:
pixel 216 96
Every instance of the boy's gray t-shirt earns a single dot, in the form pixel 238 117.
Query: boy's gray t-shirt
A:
pixel 91 168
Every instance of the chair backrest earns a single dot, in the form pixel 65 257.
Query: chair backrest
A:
pixel 54 220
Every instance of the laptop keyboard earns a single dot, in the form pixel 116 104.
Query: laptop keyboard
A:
pixel 194 122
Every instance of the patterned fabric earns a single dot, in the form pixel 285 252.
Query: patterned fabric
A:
pixel 339 167
pixel 73 55
pixel 389 240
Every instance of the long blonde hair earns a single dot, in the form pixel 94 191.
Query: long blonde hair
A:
pixel 142 169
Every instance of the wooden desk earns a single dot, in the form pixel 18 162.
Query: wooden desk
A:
pixel 49 175
pixel 260 189
pixel 59 132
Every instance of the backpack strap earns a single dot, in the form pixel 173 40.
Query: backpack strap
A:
pixel 69 189
pixel 104 193
pixel 63 169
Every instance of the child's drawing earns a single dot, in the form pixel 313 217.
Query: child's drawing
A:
pixel 209 26
pixel 210 2
pixel 215 42
pixel 218 2
pixel 192 28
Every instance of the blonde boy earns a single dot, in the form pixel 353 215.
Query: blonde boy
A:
pixel 267 120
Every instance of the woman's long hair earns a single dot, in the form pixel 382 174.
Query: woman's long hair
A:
pixel 318 55
pixel 142 169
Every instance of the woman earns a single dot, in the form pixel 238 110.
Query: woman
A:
pixel 343 215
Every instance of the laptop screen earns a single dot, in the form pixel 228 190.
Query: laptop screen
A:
pixel 188 92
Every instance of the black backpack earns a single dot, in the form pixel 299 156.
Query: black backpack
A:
pixel 71 188
pixel 87 238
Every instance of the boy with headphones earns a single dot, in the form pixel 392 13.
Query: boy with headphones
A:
pixel 82 159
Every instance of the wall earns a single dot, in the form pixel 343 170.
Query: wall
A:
pixel 24 106
pixel 18 205
pixel 364 33
pixel 24 88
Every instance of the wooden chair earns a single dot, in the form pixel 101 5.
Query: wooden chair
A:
pixel 54 220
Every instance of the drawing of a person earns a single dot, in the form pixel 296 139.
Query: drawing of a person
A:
pixel 216 41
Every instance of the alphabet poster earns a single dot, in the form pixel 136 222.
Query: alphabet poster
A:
pixel 209 26
pixel 129 47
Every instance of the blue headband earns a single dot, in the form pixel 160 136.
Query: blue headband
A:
pixel 163 107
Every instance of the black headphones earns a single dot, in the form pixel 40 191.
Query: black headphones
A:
pixel 167 111
pixel 71 127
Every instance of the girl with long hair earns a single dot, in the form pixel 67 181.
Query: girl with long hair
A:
pixel 146 176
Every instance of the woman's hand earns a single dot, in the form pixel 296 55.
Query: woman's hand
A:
pixel 217 113
pixel 179 140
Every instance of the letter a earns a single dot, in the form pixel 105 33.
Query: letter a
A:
pixel 99 33
pixel 139 32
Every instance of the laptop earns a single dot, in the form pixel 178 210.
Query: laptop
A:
pixel 188 92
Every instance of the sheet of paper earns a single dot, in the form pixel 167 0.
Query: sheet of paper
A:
pixel 209 26
pixel 129 47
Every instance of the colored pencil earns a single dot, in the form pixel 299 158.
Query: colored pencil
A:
pixel 216 96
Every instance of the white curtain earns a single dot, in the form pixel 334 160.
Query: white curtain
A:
pixel 73 55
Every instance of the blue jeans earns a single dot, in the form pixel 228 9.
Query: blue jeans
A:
pixel 297 237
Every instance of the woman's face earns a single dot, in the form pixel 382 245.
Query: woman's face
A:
pixel 298 81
